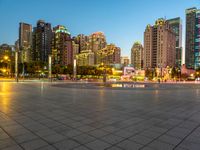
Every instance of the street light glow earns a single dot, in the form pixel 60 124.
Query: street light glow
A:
pixel 6 57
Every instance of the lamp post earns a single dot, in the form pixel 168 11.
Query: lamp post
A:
pixel 16 66
pixel 23 60
pixel 50 68
pixel 7 60
pixel 179 72
pixel 104 73
pixel 74 69
pixel 161 73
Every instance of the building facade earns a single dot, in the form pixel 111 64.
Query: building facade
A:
pixel 97 41
pixel 93 50
pixel 159 45
pixel 62 48
pixel 137 55
pixel 197 42
pixel 125 61
pixel 108 55
pixel 25 42
pixel 85 58
pixel 7 59
pixel 83 42
pixel 192 49
pixel 6 51
pixel 176 25
pixel 42 38
pixel 75 48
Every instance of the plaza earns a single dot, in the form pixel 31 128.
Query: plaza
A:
pixel 86 116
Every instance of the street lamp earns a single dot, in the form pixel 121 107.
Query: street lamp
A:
pixel 50 68
pixel 104 72
pixel 113 70
pixel 16 66
pixel 197 74
pixel 74 69
pixel 7 60
pixel 179 72
pixel 5 57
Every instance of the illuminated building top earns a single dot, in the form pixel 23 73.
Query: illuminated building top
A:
pixel 160 22
pixel 61 29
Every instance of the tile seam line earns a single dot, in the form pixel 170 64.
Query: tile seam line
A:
pixel 29 131
pixel 166 132
pixel 11 138
pixel 186 136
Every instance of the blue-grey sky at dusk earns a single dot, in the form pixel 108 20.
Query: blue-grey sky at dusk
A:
pixel 122 21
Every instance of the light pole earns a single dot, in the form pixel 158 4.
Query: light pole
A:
pixel 104 73
pixel 74 69
pixel 179 72
pixel 16 66
pixel 8 68
pixel 23 70
pixel 161 74
pixel 50 68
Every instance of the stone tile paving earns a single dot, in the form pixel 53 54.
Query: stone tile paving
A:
pixel 39 116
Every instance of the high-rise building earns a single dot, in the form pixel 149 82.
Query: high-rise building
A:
pixel 197 41
pixel 192 48
pixel 62 50
pixel 137 55
pixel 94 48
pixel 176 25
pixel 85 58
pixel 75 48
pixel 125 60
pixel 83 42
pixel 42 37
pixel 97 41
pixel 116 56
pixel 108 55
pixel 159 45
pixel 25 41
pixel 17 45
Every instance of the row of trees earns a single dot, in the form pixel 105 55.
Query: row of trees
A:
pixel 37 68
pixel 174 73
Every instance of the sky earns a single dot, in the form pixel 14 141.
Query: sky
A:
pixel 122 21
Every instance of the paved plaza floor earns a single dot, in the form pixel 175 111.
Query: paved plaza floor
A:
pixel 49 116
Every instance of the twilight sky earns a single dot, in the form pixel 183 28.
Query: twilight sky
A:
pixel 122 21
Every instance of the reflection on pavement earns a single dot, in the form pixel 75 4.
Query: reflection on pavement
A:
pixel 5 97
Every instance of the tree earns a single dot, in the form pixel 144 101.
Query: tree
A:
pixel 69 69
pixel 59 69
pixel 150 73
pixel 31 68
pixel 184 76
pixel 197 73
